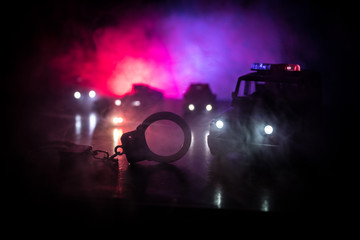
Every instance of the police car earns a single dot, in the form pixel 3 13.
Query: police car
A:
pixel 198 99
pixel 276 106
pixel 79 96
pixel 135 105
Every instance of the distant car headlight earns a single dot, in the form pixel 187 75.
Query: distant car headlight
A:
pixel 136 103
pixel 92 94
pixel 191 107
pixel 219 124
pixel 117 120
pixel 268 129
pixel 208 107
pixel 117 102
pixel 77 95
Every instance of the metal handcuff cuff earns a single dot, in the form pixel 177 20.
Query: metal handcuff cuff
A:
pixel 136 149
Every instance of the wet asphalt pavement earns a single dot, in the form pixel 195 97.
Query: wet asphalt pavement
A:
pixel 196 186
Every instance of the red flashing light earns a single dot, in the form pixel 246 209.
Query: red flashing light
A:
pixel 292 67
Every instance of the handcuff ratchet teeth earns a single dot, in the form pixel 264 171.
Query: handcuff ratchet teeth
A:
pixel 136 149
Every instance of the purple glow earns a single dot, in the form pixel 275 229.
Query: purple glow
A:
pixel 170 51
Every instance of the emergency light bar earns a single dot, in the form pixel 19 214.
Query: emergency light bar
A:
pixel 275 67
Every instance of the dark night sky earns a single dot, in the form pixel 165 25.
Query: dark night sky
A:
pixel 324 36
pixel 324 39
pixel 320 35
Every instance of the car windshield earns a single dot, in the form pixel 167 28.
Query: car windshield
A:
pixel 257 88
pixel 199 89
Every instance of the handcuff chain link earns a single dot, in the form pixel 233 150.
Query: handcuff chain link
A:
pixel 107 155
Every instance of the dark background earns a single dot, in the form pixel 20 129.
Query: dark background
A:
pixel 34 32
pixel 332 27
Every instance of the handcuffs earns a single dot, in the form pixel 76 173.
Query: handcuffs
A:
pixel 136 149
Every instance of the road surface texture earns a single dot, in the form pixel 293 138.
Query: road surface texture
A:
pixel 55 181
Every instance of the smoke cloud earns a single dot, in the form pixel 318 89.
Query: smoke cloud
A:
pixel 169 48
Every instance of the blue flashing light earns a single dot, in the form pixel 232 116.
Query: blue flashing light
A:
pixel 275 67
pixel 260 66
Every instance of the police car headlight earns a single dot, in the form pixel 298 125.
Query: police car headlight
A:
pixel 268 129
pixel 191 107
pixel 77 95
pixel 219 124
pixel 208 107
pixel 92 94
